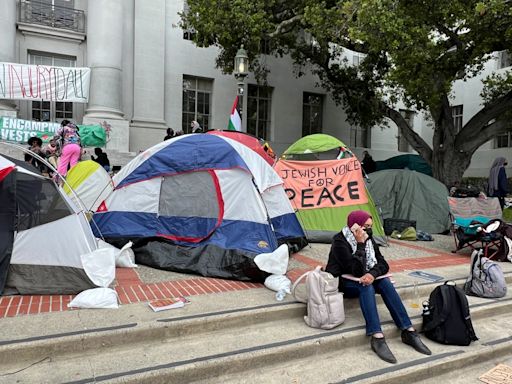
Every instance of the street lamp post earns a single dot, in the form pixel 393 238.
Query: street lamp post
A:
pixel 241 70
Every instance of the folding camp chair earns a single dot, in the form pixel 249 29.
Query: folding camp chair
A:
pixel 469 218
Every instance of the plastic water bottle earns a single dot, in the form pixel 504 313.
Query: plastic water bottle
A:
pixel 416 296
pixel 280 295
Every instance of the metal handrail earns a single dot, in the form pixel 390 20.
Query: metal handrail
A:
pixel 33 12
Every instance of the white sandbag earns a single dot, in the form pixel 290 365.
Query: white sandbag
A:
pixel 275 262
pixel 95 298
pixel 125 258
pixel 278 283
pixel 100 266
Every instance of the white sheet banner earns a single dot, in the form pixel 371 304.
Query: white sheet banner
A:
pixel 42 82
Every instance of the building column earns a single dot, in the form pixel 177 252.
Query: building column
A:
pixel 104 57
pixel 148 124
pixel 8 47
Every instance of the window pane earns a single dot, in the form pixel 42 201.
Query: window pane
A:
pixel 207 103
pixel 200 102
pixel 311 113
pixel 258 111
pixel 252 90
pixel 196 101
pixel 251 127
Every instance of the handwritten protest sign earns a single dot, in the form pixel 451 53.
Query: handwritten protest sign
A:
pixel 321 184
pixel 42 82
pixel 19 131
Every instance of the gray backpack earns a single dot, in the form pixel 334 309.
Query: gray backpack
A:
pixel 486 278
pixel 324 302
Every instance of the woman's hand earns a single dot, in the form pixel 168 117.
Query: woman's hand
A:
pixel 359 233
pixel 367 279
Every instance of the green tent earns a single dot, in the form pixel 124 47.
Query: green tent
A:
pixel 321 224
pixel 317 147
pixel 409 195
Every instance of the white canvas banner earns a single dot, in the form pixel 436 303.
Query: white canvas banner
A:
pixel 43 82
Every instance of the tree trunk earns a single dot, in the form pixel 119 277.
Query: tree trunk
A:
pixel 449 165
pixel 449 161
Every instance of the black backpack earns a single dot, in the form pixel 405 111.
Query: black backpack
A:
pixel 446 316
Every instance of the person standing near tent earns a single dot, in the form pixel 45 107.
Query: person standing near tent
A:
pixel 101 159
pixel 169 135
pixel 51 152
pixel 196 127
pixel 354 252
pixel 368 163
pixel 70 144
pixel 35 144
pixel 498 183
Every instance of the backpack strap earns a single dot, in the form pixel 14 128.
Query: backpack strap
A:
pixel 297 282
pixel 465 313
pixel 444 313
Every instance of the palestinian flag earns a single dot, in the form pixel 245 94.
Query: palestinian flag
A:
pixel 235 122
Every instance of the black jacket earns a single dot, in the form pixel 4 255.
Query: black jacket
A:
pixel 343 261
pixel 102 159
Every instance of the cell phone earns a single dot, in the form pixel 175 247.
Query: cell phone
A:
pixel 355 227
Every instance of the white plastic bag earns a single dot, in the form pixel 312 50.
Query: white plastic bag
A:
pixel 100 266
pixel 278 283
pixel 95 298
pixel 125 258
pixel 275 262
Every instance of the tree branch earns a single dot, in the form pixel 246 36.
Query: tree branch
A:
pixel 285 23
pixel 478 127
pixel 412 137
pixel 490 131
pixel 453 37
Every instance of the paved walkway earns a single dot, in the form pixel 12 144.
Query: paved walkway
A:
pixel 131 289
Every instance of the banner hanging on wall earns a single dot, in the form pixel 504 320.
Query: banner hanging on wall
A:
pixel 42 82
pixel 19 131
pixel 323 184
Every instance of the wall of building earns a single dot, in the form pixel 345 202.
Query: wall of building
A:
pixel 155 57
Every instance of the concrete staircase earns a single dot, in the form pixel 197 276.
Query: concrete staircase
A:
pixel 116 158
pixel 217 340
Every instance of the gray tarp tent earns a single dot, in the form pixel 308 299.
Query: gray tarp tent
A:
pixel 410 195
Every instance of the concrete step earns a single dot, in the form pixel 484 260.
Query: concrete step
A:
pixel 226 345
pixel 72 341
pixel 358 364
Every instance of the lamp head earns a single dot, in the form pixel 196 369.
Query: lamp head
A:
pixel 241 68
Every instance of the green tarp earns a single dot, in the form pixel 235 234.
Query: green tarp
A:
pixel 410 195
pixel 92 136
pixel 411 162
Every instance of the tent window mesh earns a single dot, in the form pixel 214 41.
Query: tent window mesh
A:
pixel 38 202
pixel 189 195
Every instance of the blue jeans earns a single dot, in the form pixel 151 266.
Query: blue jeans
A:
pixel 368 303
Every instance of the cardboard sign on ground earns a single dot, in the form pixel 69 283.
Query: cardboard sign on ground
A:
pixel 500 374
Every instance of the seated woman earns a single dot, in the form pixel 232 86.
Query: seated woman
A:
pixel 354 252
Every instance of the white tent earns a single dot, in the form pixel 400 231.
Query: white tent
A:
pixel 43 235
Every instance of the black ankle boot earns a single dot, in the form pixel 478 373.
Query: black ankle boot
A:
pixel 382 350
pixel 413 339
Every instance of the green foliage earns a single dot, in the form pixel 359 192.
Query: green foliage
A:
pixel 496 85
pixel 414 52
pixel 415 49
